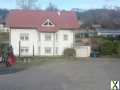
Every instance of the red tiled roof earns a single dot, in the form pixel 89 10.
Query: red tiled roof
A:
pixel 34 19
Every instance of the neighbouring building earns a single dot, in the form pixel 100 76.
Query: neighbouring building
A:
pixel 108 32
pixel 42 33
pixel 3 28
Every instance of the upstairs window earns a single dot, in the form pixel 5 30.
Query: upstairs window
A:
pixel 39 36
pixel 56 37
pixel 48 23
pixel 48 37
pixel 24 36
pixel 65 37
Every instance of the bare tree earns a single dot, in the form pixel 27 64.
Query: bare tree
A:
pixel 51 7
pixel 27 4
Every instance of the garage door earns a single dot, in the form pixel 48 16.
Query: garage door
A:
pixel 83 51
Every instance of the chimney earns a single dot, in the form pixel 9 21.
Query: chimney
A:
pixel 59 13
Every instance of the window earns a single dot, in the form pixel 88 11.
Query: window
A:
pixel 48 23
pixel 24 50
pixel 86 34
pixel 56 50
pixel 39 50
pixel 24 36
pixel 48 37
pixel 65 37
pixel 48 50
pixel 56 35
pixel 39 36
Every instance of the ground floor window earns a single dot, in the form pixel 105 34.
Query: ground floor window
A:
pixel 48 50
pixel 56 50
pixel 24 50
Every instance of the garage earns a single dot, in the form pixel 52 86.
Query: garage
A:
pixel 83 51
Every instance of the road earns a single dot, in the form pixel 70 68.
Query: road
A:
pixel 64 75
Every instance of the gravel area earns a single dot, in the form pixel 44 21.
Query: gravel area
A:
pixel 84 74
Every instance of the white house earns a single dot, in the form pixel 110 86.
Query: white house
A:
pixel 42 33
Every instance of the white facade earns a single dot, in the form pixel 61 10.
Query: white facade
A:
pixel 29 42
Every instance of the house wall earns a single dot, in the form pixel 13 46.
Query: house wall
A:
pixel 16 42
pixel 57 41
pixel 61 43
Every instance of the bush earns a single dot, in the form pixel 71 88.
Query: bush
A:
pixel 107 48
pixel 69 52
pixel 118 50
pixel 117 47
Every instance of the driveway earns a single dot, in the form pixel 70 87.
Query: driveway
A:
pixel 93 74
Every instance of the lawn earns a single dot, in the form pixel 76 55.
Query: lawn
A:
pixel 4 36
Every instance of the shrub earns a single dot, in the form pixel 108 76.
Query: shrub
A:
pixel 107 48
pixel 117 47
pixel 118 50
pixel 69 52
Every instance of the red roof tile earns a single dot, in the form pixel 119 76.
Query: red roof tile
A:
pixel 34 19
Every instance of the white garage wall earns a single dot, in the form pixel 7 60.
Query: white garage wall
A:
pixel 83 51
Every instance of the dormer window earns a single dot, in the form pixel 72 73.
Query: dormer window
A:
pixel 48 23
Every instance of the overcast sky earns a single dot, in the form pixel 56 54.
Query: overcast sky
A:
pixel 66 4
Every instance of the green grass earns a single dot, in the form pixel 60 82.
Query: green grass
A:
pixel 34 61
pixel 42 60
pixel 4 37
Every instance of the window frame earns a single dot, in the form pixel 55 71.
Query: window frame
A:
pixel 39 50
pixel 56 37
pixel 48 50
pixel 65 38
pixel 56 50
pixel 24 36
pixel 39 36
pixel 24 50
pixel 48 36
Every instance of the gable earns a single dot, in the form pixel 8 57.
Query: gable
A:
pixel 48 23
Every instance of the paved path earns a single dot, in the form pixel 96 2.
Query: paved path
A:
pixel 64 75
